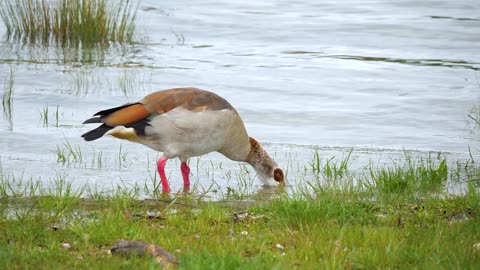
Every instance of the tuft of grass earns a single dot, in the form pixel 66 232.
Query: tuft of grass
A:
pixel 69 154
pixel 416 177
pixel 12 186
pixel 331 170
pixel 98 160
pixel 76 23
pixel 467 171
pixel 316 163
pixel 73 155
pixel 44 116
pixel 121 157
pixel 56 114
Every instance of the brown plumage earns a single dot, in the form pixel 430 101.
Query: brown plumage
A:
pixel 185 122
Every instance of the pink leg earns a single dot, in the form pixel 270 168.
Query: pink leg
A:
pixel 186 176
pixel 161 170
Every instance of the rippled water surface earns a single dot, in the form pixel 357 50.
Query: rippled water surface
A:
pixel 376 76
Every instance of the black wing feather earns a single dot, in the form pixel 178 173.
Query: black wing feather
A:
pixel 140 126
pixel 109 111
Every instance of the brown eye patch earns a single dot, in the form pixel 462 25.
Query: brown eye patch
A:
pixel 278 175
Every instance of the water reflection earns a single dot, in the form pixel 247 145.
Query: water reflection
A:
pixel 7 98
pixel 129 82
pixel 454 18
pixel 418 62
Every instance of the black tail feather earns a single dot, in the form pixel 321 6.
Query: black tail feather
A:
pixel 92 120
pixel 96 133
pixel 101 130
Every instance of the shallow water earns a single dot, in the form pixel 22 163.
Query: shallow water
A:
pixel 375 76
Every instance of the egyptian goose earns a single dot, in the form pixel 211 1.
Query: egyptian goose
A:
pixel 184 123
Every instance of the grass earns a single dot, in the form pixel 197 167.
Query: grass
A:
pixel 76 23
pixel 69 154
pixel 45 118
pixel 369 221
pixel 416 177
pixel 72 154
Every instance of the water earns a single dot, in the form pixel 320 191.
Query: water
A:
pixel 376 76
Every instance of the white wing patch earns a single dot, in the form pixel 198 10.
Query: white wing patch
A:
pixel 183 133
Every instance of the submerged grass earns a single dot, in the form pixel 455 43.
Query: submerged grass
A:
pixel 320 225
pixel 77 23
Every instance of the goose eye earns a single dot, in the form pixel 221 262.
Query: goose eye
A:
pixel 278 175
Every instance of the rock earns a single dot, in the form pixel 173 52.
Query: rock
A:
pixel 247 217
pixel 382 216
pixel 458 217
pixel 138 248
